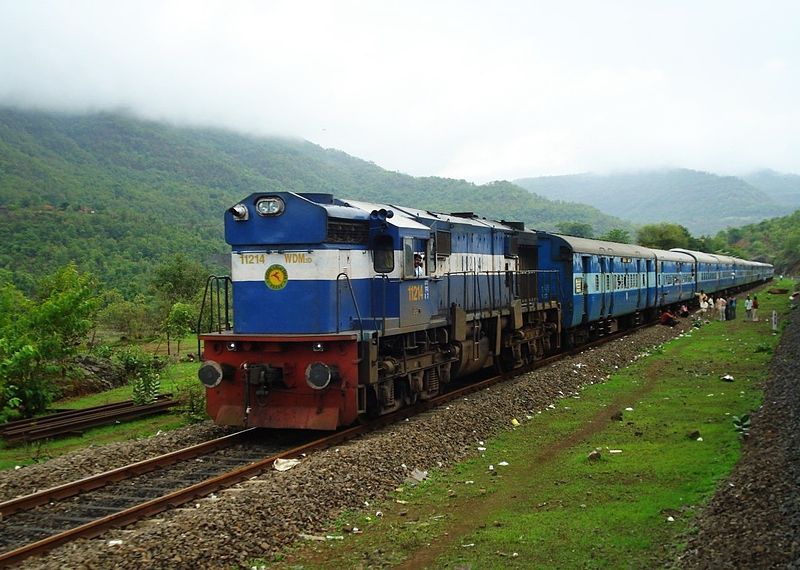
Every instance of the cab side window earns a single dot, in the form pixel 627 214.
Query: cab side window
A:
pixel 383 255
pixel 408 258
pixel 414 266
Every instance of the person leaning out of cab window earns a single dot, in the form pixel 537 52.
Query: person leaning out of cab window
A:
pixel 419 270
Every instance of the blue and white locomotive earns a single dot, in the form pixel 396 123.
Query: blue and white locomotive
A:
pixel 333 319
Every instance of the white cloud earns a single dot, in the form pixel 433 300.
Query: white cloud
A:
pixel 464 89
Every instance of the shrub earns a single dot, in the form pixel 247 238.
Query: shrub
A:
pixel 146 387
pixel 764 347
pixel 742 425
pixel 193 403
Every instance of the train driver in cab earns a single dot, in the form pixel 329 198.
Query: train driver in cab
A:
pixel 419 269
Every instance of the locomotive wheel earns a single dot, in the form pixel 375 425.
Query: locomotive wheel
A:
pixel 410 397
pixel 373 409
pixel 504 362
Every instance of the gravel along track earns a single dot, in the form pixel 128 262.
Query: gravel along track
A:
pixel 96 459
pixel 22 528
pixel 261 516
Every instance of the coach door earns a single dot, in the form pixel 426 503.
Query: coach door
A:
pixel 586 262
pixel 639 283
pixel 605 285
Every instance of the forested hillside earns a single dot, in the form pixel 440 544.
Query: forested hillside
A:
pixel 702 202
pixel 776 241
pixel 118 195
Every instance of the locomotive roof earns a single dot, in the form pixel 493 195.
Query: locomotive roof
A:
pixel 411 215
pixel 466 219
pixel 399 219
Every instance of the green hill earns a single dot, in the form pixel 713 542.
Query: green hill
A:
pixel 702 202
pixel 118 195
pixel 776 241
pixel 782 188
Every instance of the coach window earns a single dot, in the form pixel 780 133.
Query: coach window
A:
pixel 383 254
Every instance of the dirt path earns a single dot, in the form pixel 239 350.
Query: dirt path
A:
pixel 469 515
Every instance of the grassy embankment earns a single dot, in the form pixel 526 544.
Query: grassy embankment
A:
pixel 552 507
pixel 177 379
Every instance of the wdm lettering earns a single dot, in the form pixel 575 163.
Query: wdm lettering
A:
pixel 297 258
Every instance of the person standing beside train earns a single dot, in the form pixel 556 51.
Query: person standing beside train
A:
pixel 755 308
pixel 721 307
pixel 748 309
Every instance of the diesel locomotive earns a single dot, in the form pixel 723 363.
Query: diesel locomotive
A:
pixel 345 309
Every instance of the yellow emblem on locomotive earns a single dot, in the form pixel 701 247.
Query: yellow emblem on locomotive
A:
pixel 276 277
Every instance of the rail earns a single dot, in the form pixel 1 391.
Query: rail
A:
pixel 70 422
pixel 384 286
pixel 502 287
pixel 355 304
pixel 217 295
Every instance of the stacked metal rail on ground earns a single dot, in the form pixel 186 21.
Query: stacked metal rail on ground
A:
pixel 71 422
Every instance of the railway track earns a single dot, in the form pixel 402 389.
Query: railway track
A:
pixel 71 422
pixel 91 506
pixel 36 523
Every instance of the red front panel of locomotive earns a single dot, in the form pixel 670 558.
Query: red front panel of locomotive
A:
pixel 306 382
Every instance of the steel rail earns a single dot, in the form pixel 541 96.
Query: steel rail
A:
pixel 92 482
pixel 61 415
pixel 84 422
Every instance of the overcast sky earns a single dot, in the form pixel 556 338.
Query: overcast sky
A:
pixel 476 90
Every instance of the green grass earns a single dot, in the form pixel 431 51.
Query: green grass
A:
pixel 552 507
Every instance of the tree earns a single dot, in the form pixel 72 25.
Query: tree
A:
pixel 178 280
pixel 577 229
pixel 133 319
pixel 664 236
pixel 181 322
pixel 617 235
pixel 65 313
pixel 37 336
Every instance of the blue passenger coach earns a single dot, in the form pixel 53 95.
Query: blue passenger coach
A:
pixel 606 284
pixel 675 279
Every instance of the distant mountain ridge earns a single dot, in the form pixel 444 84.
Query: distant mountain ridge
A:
pixel 782 188
pixel 704 203
pixel 118 195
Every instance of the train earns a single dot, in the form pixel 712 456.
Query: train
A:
pixel 344 310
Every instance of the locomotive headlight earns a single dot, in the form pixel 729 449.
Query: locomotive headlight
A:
pixel 239 212
pixel 319 375
pixel 318 347
pixel 270 206
pixel 210 374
